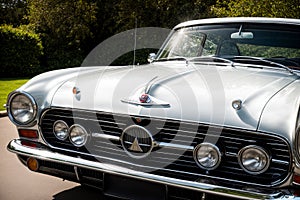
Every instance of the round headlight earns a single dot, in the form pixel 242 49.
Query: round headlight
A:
pixel 22 108
pixel 298 139
pixel 78 135
pixel 254 159
pixel 207 156
pixel 61 130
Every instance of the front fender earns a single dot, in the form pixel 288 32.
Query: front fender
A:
pixel 281 112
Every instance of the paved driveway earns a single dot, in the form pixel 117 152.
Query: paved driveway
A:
pixel 18 183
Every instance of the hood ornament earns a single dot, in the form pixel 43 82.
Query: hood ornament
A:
pixel 143 98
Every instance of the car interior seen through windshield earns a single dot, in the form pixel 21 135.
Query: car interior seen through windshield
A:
pixel 236 42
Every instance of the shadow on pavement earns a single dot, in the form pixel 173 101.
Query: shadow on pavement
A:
pixel 80 193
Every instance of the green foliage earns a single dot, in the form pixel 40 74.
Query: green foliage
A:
pixel 20 51
pixel 12 12
pixel 141 57
pixel 160 13
pixel 65 27
pixel 69 30
pixel 8 85
pixel 257 8
pixel 267 51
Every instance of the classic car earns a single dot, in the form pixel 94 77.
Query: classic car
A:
pixel 214 115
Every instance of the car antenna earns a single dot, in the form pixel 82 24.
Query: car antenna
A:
pixel 134 46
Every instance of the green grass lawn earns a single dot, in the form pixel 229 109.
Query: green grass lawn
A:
pixel 6 86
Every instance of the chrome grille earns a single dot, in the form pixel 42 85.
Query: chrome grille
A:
pixel 176 162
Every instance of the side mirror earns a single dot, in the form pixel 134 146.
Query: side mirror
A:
pixel 242 35
pixel 151 57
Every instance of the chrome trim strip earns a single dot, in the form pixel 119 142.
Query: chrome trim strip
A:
pixel 15 146
pixel 76 173
pixel 173 146
pixel 280 162
pixel 155 143
pixel 105 136
pixel 129 101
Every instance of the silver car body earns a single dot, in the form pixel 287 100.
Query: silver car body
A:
pixel 180 90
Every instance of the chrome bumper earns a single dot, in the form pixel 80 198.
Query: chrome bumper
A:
pixel 16 147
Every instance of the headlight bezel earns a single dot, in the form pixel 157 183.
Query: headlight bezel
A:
pixel 258 148
pixel 297 141
pixel 86 135
pixel 13 117
pixel 216 151
pixel 297 138
pixel 67 130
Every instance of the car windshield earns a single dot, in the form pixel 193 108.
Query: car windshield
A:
pixel 279 43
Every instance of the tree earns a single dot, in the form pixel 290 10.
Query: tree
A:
pixel 12 12
pixel 160 13
pixel 257 8
pixel 20 52
pixel 65 27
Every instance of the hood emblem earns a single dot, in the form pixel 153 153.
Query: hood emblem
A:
pixel 76 92
pixel 144 98
pixel 135 146
pixel 237 104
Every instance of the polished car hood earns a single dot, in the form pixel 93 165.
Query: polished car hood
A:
pixel 189 92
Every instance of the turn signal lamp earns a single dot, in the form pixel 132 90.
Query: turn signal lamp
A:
pixel 33 164
pixel 296 179
pixel 29 144
pixel 27 133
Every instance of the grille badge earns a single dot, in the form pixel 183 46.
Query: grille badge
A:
pixel 137 141
pixel 135 146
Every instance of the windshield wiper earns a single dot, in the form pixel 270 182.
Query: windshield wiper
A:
pixel 201 58
pixel 212 59
pixel 263 61
pixel 172 59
